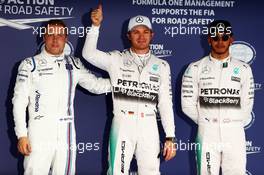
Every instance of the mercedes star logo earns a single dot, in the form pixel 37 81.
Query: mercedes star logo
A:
pixel 220 25
pixel 139 19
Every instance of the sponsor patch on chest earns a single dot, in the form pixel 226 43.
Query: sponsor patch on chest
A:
pixel 154 79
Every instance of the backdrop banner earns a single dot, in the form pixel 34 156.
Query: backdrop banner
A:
pixel 180 28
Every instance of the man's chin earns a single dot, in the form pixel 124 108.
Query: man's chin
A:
pixel 221 51
pixel 142 47
pixel 55 52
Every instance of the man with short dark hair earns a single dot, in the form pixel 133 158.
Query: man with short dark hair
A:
pixel 141 88
pixel 45 86
pixel 217 94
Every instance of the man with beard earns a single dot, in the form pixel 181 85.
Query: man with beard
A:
pixel 141 88
pixel 217 94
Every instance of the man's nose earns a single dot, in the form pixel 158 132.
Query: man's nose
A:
pixel 141 35
pixel 55 37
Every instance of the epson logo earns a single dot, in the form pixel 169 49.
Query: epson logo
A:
pixel 37 97
pixel 123 146
pixel 216 91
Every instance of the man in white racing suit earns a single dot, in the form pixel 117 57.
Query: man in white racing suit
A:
pixel 45 85
pixel 217 94
pixel 141 88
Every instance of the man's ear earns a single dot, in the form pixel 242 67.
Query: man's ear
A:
pixel 231 40
pixel 44 38
pixel 209 40
pixel 152 35
pixel 128 36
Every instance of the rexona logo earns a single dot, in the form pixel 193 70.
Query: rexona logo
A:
pixel 243 51
pixel 160 51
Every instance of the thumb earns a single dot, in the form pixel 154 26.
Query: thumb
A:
pixel 164 151
pixel 100 7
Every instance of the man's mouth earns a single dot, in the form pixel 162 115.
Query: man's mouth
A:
pixel 55 46
pixel 141 42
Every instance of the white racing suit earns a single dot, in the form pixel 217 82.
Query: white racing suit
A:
pixel 218 96
pixel 46 85
pixel 137 95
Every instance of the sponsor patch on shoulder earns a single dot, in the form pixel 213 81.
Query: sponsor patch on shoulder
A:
pixel 155 79
pixel 237 79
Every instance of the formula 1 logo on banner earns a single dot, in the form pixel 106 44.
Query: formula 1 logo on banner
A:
pixel 243 51
pixel 160 51
pixel 250 121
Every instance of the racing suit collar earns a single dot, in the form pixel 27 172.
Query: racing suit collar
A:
pixel 52 57
pixel 140 59
pixel 227 59
pixel 219 62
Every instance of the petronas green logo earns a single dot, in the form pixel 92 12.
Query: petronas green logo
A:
pixel 236 71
